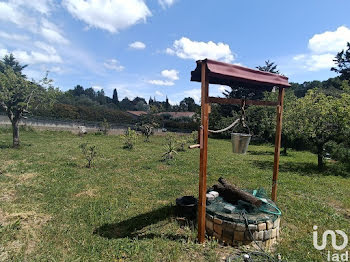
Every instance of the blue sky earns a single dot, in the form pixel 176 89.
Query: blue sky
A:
pixel 148 47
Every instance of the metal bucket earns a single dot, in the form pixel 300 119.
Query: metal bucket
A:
pixel 240 142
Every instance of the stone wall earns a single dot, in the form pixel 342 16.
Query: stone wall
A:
pixel 265 234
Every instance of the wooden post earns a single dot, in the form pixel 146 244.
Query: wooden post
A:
pixel 277 143
pixel 203 153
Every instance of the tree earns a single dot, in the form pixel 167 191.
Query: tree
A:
pixel 78 90
pixel 317 120
pixel 10 61
pixel 167 104
pixel 269 67
pixel 188 104
pixel 115 97
pixel 342 60
pixel 18 96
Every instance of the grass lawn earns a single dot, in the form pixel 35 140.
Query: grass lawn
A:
pixel 52 208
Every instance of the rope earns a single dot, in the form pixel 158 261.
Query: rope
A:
pixel 226 128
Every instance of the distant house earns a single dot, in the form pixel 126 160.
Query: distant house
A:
pixel 177 115
pixel 137 114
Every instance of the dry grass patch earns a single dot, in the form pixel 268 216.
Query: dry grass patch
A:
pixel 87 193
pixel 20 231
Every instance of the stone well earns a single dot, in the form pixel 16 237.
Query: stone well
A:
pixel 235 229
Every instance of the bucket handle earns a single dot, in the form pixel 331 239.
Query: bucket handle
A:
pixel 244 125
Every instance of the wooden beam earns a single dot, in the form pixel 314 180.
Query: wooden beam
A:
pixel 203 154
pixel 277 143
pixel 236 101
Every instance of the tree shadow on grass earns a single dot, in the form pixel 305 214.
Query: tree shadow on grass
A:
pixel 305 169
pixel 131 227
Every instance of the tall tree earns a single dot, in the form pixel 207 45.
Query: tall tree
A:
pixel 10 61
pixel 115 96
pixel 18 96
pixel 318 119
pixel 269 67
pixel 167 104
pixel 342 60
pixel 188 104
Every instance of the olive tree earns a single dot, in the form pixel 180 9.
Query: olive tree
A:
pixel 18 96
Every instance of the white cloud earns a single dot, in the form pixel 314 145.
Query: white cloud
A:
pixel 170 74
pixel 161 82
pixel 109 15
pixel 194 93
pixel 113 64
pixel 48 48
pixel 33 57
pixel 330 41
pixel 51 32
pixel 322 51
pixel 9 13
pixel 318 62
pixel 222 89
pixel 137 45
pixel 166 3
pixel 97 88
pixel 41 6
pixel 158 93
pixel 185 48
pixel 14 37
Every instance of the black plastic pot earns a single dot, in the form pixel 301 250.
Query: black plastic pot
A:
pixel 186 206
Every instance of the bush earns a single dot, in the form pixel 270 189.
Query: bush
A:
pixel 182 145
pixel 89 153
pixel 147 131
pixel 170 146
pixel 130 138
pixel 105 126
pixel 193 137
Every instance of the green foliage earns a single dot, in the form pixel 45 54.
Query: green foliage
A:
pixel 18 95
pixel 130 138
pixel 181 144
pixel 105 126
pixel 89 153
pixel 270 67
pixel 318 119
pixel 147 131
pixel 170 147
pixel 193 137
pixel 342 60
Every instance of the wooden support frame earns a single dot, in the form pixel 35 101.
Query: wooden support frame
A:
pixel 277 143
pixel 203 142
pixel 203 155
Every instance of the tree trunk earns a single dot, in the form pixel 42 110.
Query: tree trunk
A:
pixel 284 152
pixel 15 132
pixel 320 157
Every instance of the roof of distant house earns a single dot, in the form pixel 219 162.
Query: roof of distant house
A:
pixel 137 113
pixel 177 114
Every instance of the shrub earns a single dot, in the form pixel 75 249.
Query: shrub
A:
pixel 193 137
pixel 105 126
pixel 181 145
pixel 170 145
pixel 89 153
pixel 147 131
pixel 130 138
